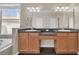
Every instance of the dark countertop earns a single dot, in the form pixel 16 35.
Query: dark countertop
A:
pixel 50 30
pixel 28 31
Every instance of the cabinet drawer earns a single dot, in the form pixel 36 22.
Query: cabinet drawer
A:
pixel 47 37
pixel 62 34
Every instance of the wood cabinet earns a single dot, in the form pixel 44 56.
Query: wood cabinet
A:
pixel 29 42
pixel 67 43
pixel 62 43
pixel 73 42
pixel 23 42
pixel 34 42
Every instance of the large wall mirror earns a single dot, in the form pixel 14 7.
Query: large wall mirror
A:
pixel 58 16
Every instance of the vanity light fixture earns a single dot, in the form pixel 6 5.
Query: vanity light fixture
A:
pixel 37 8
pixel 33 9
pixel 61 9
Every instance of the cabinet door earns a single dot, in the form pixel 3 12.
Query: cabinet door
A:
pixel 23 42
pixel 73 44
pixel 34 42
pixel 62 45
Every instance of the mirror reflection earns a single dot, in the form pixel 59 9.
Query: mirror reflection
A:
pixel 51 17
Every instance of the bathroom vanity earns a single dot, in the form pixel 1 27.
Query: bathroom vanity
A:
pixel 65 41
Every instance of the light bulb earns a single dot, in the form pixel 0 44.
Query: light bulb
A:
pixel 37 8
pixel 58 7
pixel 66 7
pixel 33 8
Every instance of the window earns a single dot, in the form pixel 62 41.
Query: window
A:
pixel 10 13
pixel 7 26
pixel 10 19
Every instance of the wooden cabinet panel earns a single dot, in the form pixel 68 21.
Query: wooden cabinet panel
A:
pixel 61 46
pixel 33 45
pixel 23 42
pixel 67 43
pixel 29 42
pixel 73 34
pixel 73 44
pixel 34 42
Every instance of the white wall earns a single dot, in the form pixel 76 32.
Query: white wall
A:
pixel 77 17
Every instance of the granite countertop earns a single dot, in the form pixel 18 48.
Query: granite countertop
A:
pixel 28 30
pixel 49 30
